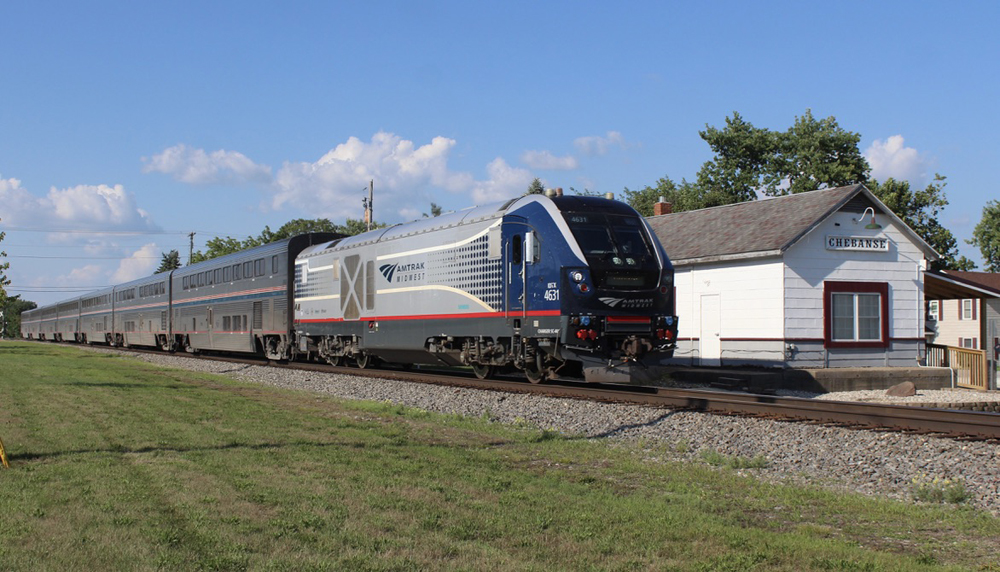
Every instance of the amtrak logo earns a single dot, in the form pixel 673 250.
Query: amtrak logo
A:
pixel 628 303
pixel 388 270
pixel 396 273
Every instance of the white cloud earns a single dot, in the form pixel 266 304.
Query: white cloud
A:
pixel 198 167
pixel 140 263
pixel 404 176
pixel 891 158
pixel 504 182
pixel 83 207
pixel 592 145
pixel 546 161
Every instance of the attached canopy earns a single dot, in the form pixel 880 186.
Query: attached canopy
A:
pixel 939 286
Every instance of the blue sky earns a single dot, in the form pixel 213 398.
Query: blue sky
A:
pixel 134 123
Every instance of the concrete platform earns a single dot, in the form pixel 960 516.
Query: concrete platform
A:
pixel 760 380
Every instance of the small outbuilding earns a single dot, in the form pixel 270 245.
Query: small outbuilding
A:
pixel 824 279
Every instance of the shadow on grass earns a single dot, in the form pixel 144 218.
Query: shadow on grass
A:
pixel 164 449
pixel 151 385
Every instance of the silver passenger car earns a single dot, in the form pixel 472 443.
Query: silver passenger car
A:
pixel 240 302
pixel 141 308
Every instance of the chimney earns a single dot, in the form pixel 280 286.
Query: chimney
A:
pixel 662 207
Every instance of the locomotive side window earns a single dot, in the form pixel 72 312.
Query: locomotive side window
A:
pixel 515 249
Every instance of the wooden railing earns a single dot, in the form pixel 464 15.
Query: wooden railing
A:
pixel 969 365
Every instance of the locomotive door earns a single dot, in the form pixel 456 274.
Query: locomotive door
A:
pixel 515 273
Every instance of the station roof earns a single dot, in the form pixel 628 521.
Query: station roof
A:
pixel 761 228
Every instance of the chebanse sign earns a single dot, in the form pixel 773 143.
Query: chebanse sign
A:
pixel 862 243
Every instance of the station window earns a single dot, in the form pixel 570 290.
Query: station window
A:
pixel 966 310
pixel 934 309
pixel 856 314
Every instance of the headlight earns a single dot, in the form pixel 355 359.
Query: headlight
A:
pixel 577 276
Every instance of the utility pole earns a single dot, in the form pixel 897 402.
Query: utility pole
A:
pixel 367 203
pixel 191 249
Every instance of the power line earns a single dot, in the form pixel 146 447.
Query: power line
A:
pixel 116 232
pixel 84 257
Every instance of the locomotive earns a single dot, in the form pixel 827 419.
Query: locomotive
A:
pixel 553 286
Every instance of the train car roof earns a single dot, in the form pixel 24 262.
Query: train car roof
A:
pixel 418 226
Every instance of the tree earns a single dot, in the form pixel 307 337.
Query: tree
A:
pixel 816 154
pixel 219 246
pixel 536 187
pixel 435 211
pixel 11 311
pixel 685 197
pixel 812 154
pixel 743 158
pixel 919 210
pixel 986 236
pixel 169 261
pixel 4 281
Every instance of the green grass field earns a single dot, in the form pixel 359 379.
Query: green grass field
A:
pixel 118 465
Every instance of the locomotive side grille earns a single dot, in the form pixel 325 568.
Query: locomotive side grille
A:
pixel 469 268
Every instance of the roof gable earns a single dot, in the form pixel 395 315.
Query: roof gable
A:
pixel 765 227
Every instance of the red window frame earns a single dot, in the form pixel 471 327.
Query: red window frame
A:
pixel 831 288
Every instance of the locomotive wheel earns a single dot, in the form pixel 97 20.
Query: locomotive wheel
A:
pixel 335 360
pixel 534 375
pixel 365 361
pixel 482 371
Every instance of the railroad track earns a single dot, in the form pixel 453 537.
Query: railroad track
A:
pixel 946 422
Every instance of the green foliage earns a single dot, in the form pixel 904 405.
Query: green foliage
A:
pixel 684 197
pixel 435 210
pixel 919 210
pixel 986 236
pixel 717 459
pixel 812 154
pixel 938 490
pixel 536 187
pixel 744 155
pixel 12 308
pixel 4 281
pixel 169 261
pixel 221 246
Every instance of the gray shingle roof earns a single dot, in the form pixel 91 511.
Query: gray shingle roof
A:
pixel 764 227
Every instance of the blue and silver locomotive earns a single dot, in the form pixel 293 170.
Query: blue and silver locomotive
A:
pixel 552 286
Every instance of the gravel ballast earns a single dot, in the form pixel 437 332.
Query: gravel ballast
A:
pixel 878 463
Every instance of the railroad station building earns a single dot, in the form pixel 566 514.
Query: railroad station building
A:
pixel 819 280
